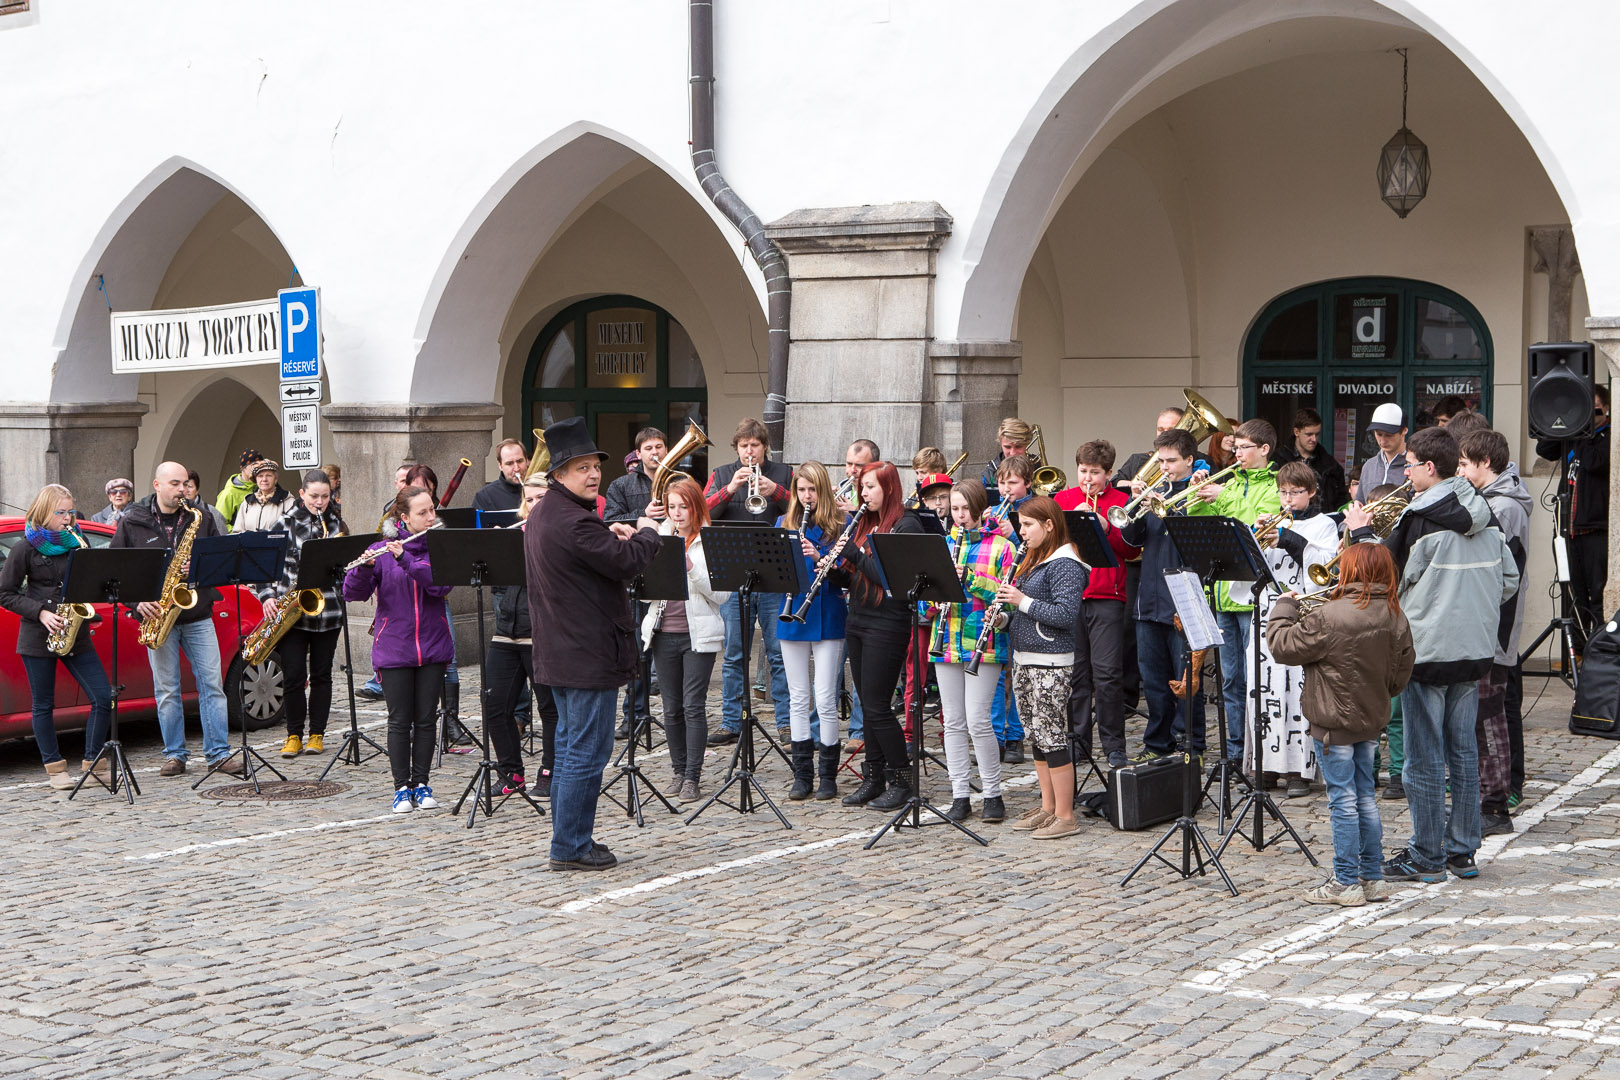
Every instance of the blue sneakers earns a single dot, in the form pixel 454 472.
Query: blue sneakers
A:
pixel 424 798
pixel 1403 867
pixel 402 801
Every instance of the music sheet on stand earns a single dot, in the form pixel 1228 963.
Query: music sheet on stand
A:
pixel 1197 621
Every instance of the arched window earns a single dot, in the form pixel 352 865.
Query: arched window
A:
pixel 1344 347
pixel 624 365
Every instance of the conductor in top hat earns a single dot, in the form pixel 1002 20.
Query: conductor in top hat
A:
pixel 584 635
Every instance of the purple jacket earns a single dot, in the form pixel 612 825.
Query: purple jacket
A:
pixel 412 624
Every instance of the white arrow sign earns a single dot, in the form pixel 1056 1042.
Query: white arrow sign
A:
pixel 305 392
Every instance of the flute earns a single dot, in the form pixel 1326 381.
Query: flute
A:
pixel 368 557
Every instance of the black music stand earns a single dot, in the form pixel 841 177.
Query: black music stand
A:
pixel 1224 549
pixel 664 579
pixel 926 562
pixel 248 558
pixel 113 576
pixel 1090 536
pixel 321 566
pixel 1198 628
pixel 745 561
pixel 480 558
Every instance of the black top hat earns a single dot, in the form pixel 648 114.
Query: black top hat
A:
pixel 568 439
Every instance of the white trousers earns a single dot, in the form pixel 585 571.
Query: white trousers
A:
pixel 829 661
pixel 965 700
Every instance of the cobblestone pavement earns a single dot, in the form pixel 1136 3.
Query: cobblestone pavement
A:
pixel 186 937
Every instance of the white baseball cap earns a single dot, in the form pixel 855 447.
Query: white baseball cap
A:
pixel 1387 418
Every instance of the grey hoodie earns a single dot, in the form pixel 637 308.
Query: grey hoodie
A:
pixel 1510 501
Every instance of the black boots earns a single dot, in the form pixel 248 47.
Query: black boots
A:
pixel 898 792
pixel 871 786
pixel 960 810
pixel 804 769
pixel 455 734
pixel 1012 753
pixel 827 767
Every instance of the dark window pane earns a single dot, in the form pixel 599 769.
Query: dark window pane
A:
pixel 616 437
pixel 1277 399
pixel 556 370
pixel 1429 390
pixel 1443 333
pixel 1365 326
pixel 685 368
pixel 1291 335
pixel 1354 399
pixel 546 413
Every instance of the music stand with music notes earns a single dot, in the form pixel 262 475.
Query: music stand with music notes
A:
pixel 321 566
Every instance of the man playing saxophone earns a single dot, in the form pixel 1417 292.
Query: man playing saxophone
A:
pixel 161 521
pixel 307 648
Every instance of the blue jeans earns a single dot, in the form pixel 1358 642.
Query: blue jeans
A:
pixel 584 744
pixel 87 671
pixel 1234 676
pixel 1358 833
pixel 1161 653
pixel 1439 740
pixel 202 651
pixel 766 607
pixel 1004 712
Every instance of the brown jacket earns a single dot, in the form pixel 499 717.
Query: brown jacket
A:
pixel 1355 660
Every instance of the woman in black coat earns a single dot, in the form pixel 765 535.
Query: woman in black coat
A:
pixel 31 586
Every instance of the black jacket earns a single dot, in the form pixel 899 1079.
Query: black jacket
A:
pixel 1332 492
pixel 31 582
pixel 512 612
pixel 141 529
pixel 869 608
pixel 1588 475
pixel 628 496
pixel 499 494
pixel 1158 555
pixel 724 507
pixel 579 569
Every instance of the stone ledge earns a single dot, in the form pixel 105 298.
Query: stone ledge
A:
pixel 349 416
pixel 72 414
pixel 886 226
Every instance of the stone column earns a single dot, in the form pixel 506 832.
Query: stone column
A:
pixel 863 287
pixel 1604 333
pixel 973 386
pixel 370 442
pixel 1554 246
pixel 79 444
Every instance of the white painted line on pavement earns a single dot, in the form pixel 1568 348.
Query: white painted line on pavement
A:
pixel 232 841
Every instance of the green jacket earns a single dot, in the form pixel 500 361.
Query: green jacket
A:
pixel 1247 495
pixel 230 498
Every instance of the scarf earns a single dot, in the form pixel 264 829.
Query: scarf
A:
pixel 51 541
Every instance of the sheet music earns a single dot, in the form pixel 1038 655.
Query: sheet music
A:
pixel 1197 621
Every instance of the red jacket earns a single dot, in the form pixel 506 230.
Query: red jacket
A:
pixel 1105 583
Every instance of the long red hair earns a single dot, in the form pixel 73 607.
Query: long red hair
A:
pixel 1369 564
pixel 688 490
pixel 894 502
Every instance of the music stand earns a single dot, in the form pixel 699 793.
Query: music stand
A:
pixel 926 562
pixel 113 576
pixel 1198 627
pixel 745 561
pixel 248 558
pixel 321 566
pixel 480 558
pixel 457 517
pixel 1223 549
pixel 1090 536
pixel 664 579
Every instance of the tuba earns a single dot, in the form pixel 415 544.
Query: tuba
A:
pixel 257 646
pixel 1049 479
pixel 666 473
pixel 1200 420
pixel 541 460
pixel 176 596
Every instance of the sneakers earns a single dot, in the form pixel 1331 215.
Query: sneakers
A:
pixel 994 811
pixel 1513 801
pixel 1015 753
pixel 1376 892
pixel 1462 866
pixel 1118 760
pixel 598 858
pixel 1395 791
pixel 292 747
pixel 1492 823
pixel 1145 756
pixel 513 784
pixel 1032 819
pixel 1298 787
pixel 1055 829
pixel 1333 891
pixel 402 801
pixel 542 785
pixel 690 792
pixel 172 767
pixel 722 738
pixel 424 798
pixel 1402 867
pixel 315 744
pixel 368 694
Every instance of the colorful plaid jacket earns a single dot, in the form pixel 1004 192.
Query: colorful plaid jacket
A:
pixel 957 626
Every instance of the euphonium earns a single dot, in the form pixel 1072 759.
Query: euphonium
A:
pixel 60 642
pixel 1385 513
pixel 176 597
pixel 258 646
pixel 667 473
pixel 541 461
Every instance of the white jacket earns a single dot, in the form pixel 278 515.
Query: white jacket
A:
pixel 703 621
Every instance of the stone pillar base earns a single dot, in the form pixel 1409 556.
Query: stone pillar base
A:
pixel 973 386
pixel 81 445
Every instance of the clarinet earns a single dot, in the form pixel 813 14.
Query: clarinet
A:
pixel 826 568
pixel 936 642
pixel 994 617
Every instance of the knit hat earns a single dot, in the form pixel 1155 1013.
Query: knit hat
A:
pixel 263 464
pixel 120 482
pixel 249 457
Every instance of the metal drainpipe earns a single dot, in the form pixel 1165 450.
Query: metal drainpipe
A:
pixel 778 283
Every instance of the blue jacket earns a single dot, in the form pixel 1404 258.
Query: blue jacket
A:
pixel 825 619
pixel 1158 555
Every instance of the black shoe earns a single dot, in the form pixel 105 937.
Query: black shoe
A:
pixel 1402 867
pixel 1015 752
pixel 898 792
pixel 993 811
pixel 541 788
pixel 368 694
pixel 622 732
pixel 804 769
pixel 1395 791
pixel 1118 760
pixel 1490 824
pixel 960 810
pixel 1462 866
pixel 827 772
pixel 598 858
pixel 722 738
pixel 871 786
pixel 1298 787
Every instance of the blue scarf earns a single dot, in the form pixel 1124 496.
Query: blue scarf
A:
pixel 50 541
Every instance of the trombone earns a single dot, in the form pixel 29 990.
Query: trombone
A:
pixel 1049 479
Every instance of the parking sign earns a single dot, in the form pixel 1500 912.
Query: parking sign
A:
pixel 300 333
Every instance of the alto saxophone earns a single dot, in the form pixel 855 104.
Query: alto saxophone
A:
pixel 60 641
pixel 176 596
pixel 257 646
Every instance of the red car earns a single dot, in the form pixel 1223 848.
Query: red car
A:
pixel 251 690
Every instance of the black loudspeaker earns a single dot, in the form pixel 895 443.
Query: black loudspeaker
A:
pixel 1559 399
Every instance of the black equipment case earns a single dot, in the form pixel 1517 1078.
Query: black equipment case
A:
pixel 1142 796
pixel 1597 697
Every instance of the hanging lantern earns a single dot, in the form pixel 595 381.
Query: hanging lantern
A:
pixel 1403 163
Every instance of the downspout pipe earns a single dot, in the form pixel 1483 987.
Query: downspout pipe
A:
pixel 772 263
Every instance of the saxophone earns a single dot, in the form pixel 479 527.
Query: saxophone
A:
pixel 60 642
pixel 258 646
pixel 176 596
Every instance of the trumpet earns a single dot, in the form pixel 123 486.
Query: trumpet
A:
pixel 1271 523
pixel 368 557
pixel 1137 508
pixel 1164 506
pixel 1384 512
pixel 755 503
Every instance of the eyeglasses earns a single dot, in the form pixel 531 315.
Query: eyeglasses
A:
pixel 62 513
pixel 1292 493
pixel 1240 446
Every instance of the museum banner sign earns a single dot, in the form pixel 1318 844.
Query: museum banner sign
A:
pixel 185 339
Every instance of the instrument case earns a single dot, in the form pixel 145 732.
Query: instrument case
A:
pixel 1142 796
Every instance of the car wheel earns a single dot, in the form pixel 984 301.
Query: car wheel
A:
pixel 256 693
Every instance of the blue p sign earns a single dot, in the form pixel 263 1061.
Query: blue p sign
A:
pixel 300 333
